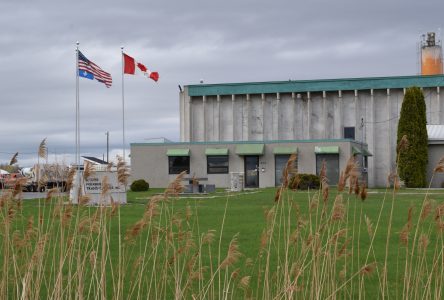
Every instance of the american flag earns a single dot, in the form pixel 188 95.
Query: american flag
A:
pixel 90 70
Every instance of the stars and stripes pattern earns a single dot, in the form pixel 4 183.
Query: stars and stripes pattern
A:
pixel 90 70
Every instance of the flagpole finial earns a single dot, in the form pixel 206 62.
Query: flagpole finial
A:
pixel 77 43
pixel 121 48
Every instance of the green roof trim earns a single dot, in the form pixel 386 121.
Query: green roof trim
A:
pixel 327 150
pixel 250 149
pixel 355 150
pixel 365 152
pixel 299 86
pixel 285 150
pixel 216 151
pixel 178 152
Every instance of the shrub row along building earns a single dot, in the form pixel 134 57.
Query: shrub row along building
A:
pixel 250 129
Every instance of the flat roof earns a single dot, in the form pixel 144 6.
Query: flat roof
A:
pixel 248 142
pixel 319 85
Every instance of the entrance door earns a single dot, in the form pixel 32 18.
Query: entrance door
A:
pixel 251 171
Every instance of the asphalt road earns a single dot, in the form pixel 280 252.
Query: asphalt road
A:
pixel 31 195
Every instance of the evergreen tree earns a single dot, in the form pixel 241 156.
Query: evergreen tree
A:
pixel 412 162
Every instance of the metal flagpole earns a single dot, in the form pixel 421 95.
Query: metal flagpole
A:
pixel 77 110
pixel 123 106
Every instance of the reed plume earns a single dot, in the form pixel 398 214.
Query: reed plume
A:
pixel 122 171
pixel 70 178
pixel 289 169
pixel 233 254
pixel 13 159
pixel 403 144
pixel 88 170
pixel 43 150
pixel 440 166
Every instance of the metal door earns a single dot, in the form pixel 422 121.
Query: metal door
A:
pixel 251 171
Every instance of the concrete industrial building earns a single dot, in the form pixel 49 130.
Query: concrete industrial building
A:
pixel 329 119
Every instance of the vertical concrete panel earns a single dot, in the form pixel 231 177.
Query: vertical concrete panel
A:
pixel 306 104
pixel 238 115
pixel 226 119
pixel 197 116
pixel 367 106
pixel 210 118
pixel 390 138
pixel 440 110
pixel 182 115
pixel 382 149
pixel 268 117
pixel 217 120
pixel 246 118
pixel 276 111
pixel 286 119
pixel 316 122
pixel 396 97
pixel 299 117
pixel 432 98
pixel 204 118
pixel 336 99
pixel 349 112
pixel 255 116
pixel 330 115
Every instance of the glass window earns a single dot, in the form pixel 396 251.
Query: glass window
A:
pixel 178 164
pixel 280 162
pixel 217 164
pixel 332 165
pixel 349 133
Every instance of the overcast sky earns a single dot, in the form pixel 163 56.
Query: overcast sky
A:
pixel 185 41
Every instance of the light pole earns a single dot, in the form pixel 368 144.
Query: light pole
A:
pixel 107 146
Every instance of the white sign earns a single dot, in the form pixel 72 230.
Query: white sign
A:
pixel 93 188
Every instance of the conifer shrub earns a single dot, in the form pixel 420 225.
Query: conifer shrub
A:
pixel 413 156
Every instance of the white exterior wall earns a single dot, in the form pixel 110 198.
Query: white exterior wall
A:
pixel 150 162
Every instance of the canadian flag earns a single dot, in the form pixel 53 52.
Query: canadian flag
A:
pixel 131 66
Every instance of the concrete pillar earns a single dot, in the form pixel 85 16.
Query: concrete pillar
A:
pixel 246 119
pixel 438 101
pixel 389 141
pixel 371 143
pixel 358 128
pixel 262 116
pixel 204 107
pixel 217 119
pixel 324 114
pixel 293 109
pixel 341 115
pixel 233 116
pixel 309 108
pixel 275 132
pixel 190 120
pixel 182 116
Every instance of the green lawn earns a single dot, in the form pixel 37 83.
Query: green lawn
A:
pixel 301 235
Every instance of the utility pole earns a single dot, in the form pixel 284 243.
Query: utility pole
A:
pixel 107 146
